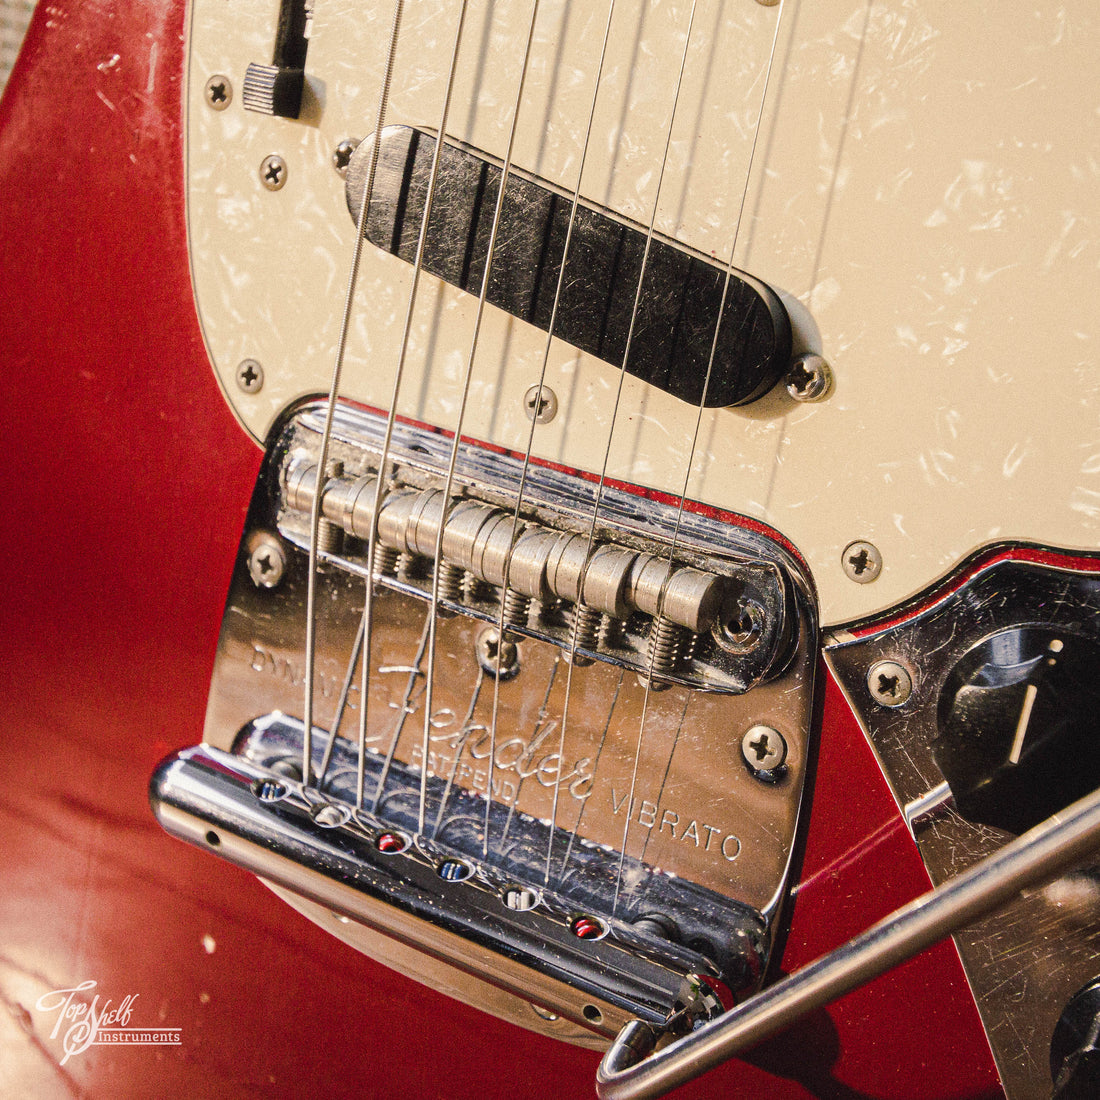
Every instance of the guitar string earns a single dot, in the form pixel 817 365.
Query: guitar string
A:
pixel 460 747
pixel 695 435
pixel 391 419
pixel 668 769
pixel 456 443
pixel 326 435
pixel 595 772
pixel 533 745
pixel 835 182
pixel 406 710
pixel 547 345
pixel 341 706
pixel 611 430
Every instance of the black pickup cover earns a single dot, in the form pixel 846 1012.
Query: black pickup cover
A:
pixel 682 293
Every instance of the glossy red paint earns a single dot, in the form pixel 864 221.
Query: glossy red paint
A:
pixel 126 483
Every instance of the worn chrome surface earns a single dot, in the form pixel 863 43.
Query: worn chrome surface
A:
pixel 729 587
pixel 660 820
pixel 1027 960
pixel 1048 850
pixel 311 843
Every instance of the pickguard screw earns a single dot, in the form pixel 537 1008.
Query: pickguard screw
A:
pixel 250 376
pixel 809 378
pixel 490 649
pixel 861 561
pixel 542 408
pixel 267 563
pixel 764 750
pixel 218 92
pixel 889 683
pixel 273 172
pixel 341 155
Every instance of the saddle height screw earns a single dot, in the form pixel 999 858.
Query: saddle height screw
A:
pixel 516 608
pixel 890 683
pixel 540 407
pixel 330 535
pixel 764 751
pixel 218 92
pixel 586 625
pixel 809 378
pixel 663 651
pixel 267 562
pixel 861 561
pixel 273 172
pixel 250 376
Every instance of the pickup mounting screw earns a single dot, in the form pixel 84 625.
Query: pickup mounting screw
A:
pixel 491 651
pixel 273 172
pixel 764 750
pixel 540 407
pixel 889 683
pixel 862 562
pixel 341 155
pixel 267 562
pixel 809 378
pixel 250 376
pixel 218 92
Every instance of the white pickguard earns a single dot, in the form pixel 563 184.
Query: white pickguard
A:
pixel 924 190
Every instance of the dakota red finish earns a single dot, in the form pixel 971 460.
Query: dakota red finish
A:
pixel 125 484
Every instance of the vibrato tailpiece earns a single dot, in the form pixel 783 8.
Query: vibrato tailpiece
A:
pixel 596 822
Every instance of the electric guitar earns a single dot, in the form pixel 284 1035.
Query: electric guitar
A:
pixel 651 451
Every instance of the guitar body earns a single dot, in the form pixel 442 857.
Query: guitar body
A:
pixel 128 484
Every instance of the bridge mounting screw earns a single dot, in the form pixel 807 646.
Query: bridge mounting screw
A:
pixel 250 376
pixel 890 683
pixel 273 172
pixel 862 562
pixel 541 408
pixel 218 92
pixel 493 653
pixel 341 155
pixel 267 562
pixel 764 750
pixel 809 378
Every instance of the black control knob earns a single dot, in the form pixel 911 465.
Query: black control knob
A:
pixel 1019 721
pixel 1075 1047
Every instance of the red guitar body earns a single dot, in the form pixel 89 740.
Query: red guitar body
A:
pixel 126 485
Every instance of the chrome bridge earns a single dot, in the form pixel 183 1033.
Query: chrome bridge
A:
pixel 596 820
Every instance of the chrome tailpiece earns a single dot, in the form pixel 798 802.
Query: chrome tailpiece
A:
pixel 595 822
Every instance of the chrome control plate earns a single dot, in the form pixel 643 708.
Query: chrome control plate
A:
pixel 1025 961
